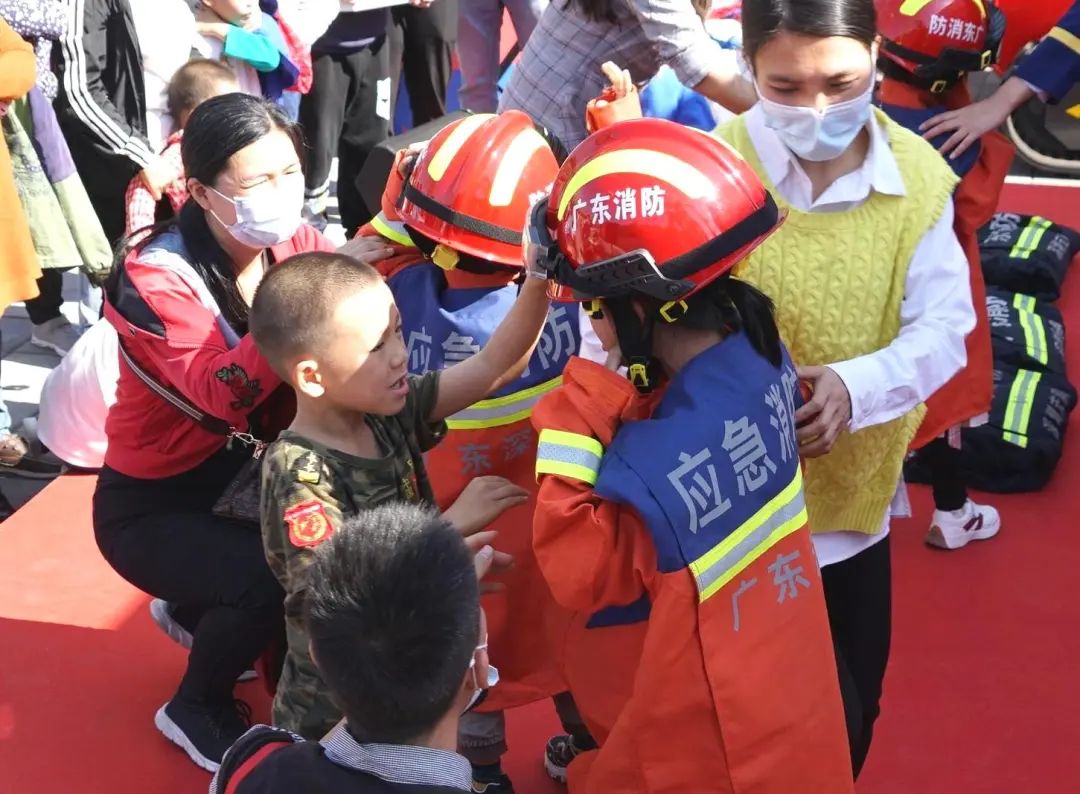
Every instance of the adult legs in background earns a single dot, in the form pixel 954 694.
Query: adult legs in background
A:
pixel 479 22
pixel 858 595
pixel 422 43
pixel 322 115
pixel 51 331
pixel 366 124
pixel 957 520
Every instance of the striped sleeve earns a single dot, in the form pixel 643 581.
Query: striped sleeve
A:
pixel 84 49
pixel 1054 66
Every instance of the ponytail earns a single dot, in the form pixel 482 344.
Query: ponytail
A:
pixel 729 305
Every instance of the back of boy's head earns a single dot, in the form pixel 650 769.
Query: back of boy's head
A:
pixel 393 614
pixel 294 306
pixel 197 81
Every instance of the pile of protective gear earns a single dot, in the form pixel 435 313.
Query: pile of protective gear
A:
pixel 1025 260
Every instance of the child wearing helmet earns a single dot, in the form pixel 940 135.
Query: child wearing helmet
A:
pixel 455 216
pixel 671 500
pixel 925 56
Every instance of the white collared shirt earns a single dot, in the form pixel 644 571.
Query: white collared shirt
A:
pixel 936 313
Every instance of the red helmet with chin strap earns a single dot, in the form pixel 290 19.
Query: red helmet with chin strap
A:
pixel 469 192
pixel 647 208
pixel 933 44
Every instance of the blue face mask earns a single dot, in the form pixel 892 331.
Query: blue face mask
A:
pixel 814 135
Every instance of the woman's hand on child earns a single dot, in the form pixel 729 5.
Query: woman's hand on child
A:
pixel 368 250
pixel 487 560
pixel 483 500
pixel 969 124
pixel 157 175
pixel 821 420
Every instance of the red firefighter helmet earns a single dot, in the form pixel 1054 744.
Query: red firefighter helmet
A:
pixel 933 44
pixel 471 188
pixel 650 207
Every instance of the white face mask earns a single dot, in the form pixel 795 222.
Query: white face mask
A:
pixel 268 216
pixel 480 692
pixel 817 136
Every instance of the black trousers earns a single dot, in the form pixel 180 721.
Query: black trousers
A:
pixel 422 42
pixel 340 116
pixel 943 461
pixel 46 306
pixel 161 536
pixel 858 594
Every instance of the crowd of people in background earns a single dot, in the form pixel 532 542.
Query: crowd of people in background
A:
pixel 588 407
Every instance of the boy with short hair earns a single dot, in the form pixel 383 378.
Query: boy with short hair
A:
pixel 195 82
pixel 397 631
pixel 329 327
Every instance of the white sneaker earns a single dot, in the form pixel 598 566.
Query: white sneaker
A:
pixel 57 335
pixel 954 529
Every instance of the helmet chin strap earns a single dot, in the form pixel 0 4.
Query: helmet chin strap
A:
pixel 635 341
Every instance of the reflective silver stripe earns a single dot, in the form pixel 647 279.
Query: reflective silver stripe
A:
pixel 500 411
pixel 718 572
pixel 563 453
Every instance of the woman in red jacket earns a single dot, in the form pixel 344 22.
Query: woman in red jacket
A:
pixel 179 302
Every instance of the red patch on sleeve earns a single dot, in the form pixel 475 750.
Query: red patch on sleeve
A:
pixel 308 524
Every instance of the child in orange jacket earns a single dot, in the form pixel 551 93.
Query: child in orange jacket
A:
pixel 925 64
pixel 455 225
pixel 673 501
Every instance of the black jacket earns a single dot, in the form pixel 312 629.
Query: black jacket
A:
pixel 102 101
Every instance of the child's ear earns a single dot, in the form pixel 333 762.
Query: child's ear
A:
pixel 308 379
pixel 197 191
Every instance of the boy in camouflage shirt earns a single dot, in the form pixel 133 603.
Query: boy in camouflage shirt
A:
pixel 329 327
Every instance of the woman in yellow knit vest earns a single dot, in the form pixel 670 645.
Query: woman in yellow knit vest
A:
pixel 872 298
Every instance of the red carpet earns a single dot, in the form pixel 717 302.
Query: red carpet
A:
pixel 978 697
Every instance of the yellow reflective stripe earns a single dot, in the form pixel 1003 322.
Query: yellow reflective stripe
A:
pixel 570 455
pixel 781 515
pixel 518 154
pixel 394 231
pixel 1066 38
pixel 910 8
pixel 441 160
pixel 500 411
pixel 646 162
pixel 1032 325
pixel 1029 238
pixel 1018 408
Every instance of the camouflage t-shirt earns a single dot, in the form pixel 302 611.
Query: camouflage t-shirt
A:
pixel 308 490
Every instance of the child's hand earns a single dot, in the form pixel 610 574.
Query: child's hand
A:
pixel 621 84
pixel 483 500
pixel 368 250
pixel 487 560
pixel 217 30
pixel 407 156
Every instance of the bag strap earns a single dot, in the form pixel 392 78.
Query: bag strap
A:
pixel 211 424
pixel 248 752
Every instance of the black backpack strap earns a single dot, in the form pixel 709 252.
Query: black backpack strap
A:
pixel 247 753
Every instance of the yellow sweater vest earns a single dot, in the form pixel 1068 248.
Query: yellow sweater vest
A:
pixel 837 280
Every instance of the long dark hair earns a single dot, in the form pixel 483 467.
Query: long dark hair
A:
pixel 216 130
pixel 730 305
pixel 763 19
